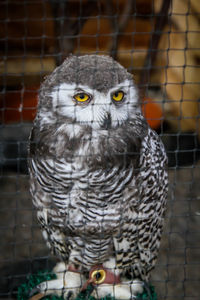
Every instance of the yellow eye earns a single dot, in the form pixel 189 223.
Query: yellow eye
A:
pixel 98 276
pixel 81 97
pixel 118 96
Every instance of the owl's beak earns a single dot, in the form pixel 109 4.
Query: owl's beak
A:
pixel 106 122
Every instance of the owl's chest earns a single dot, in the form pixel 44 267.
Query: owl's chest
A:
pixel 101 182
pixel 96 197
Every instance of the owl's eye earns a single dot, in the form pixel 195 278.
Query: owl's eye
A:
pixel 118 96
pixel 98 276
pixel 82 97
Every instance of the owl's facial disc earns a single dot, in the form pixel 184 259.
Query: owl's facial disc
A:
pixel 100 110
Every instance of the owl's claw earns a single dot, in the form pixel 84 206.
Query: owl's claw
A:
pixel 59 287
pixel 69 295
pixel 67 284
pixel 34 291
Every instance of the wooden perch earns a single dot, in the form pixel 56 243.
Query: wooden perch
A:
pixel 118 26
pixel 181 73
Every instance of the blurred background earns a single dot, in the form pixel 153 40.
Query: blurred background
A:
pixel 158 41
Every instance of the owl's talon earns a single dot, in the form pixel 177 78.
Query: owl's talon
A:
pixel 47 288
pixel 34 291
pixel 67 284
pixel 69 295
pixel 55 287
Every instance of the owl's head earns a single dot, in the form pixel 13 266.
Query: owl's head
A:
pixel 91 90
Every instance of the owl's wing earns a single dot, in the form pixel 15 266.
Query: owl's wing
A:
pixel 51 182
pixel 140 240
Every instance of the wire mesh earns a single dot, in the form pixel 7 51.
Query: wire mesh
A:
pixel 158 42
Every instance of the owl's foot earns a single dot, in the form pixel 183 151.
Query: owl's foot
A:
pixel 106 280
pixel 67 284
pixel 126 290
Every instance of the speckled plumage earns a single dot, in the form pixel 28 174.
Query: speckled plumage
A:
pixel 100 190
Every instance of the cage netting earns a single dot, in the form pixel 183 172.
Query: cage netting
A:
pixel 158 41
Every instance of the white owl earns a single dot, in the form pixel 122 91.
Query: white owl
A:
pixel 98 179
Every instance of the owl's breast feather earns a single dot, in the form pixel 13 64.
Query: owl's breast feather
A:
pixel 91 221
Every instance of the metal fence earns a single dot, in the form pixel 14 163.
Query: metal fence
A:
pixel 159 42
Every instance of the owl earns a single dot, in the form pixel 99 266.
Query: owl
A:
pixel 98 179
